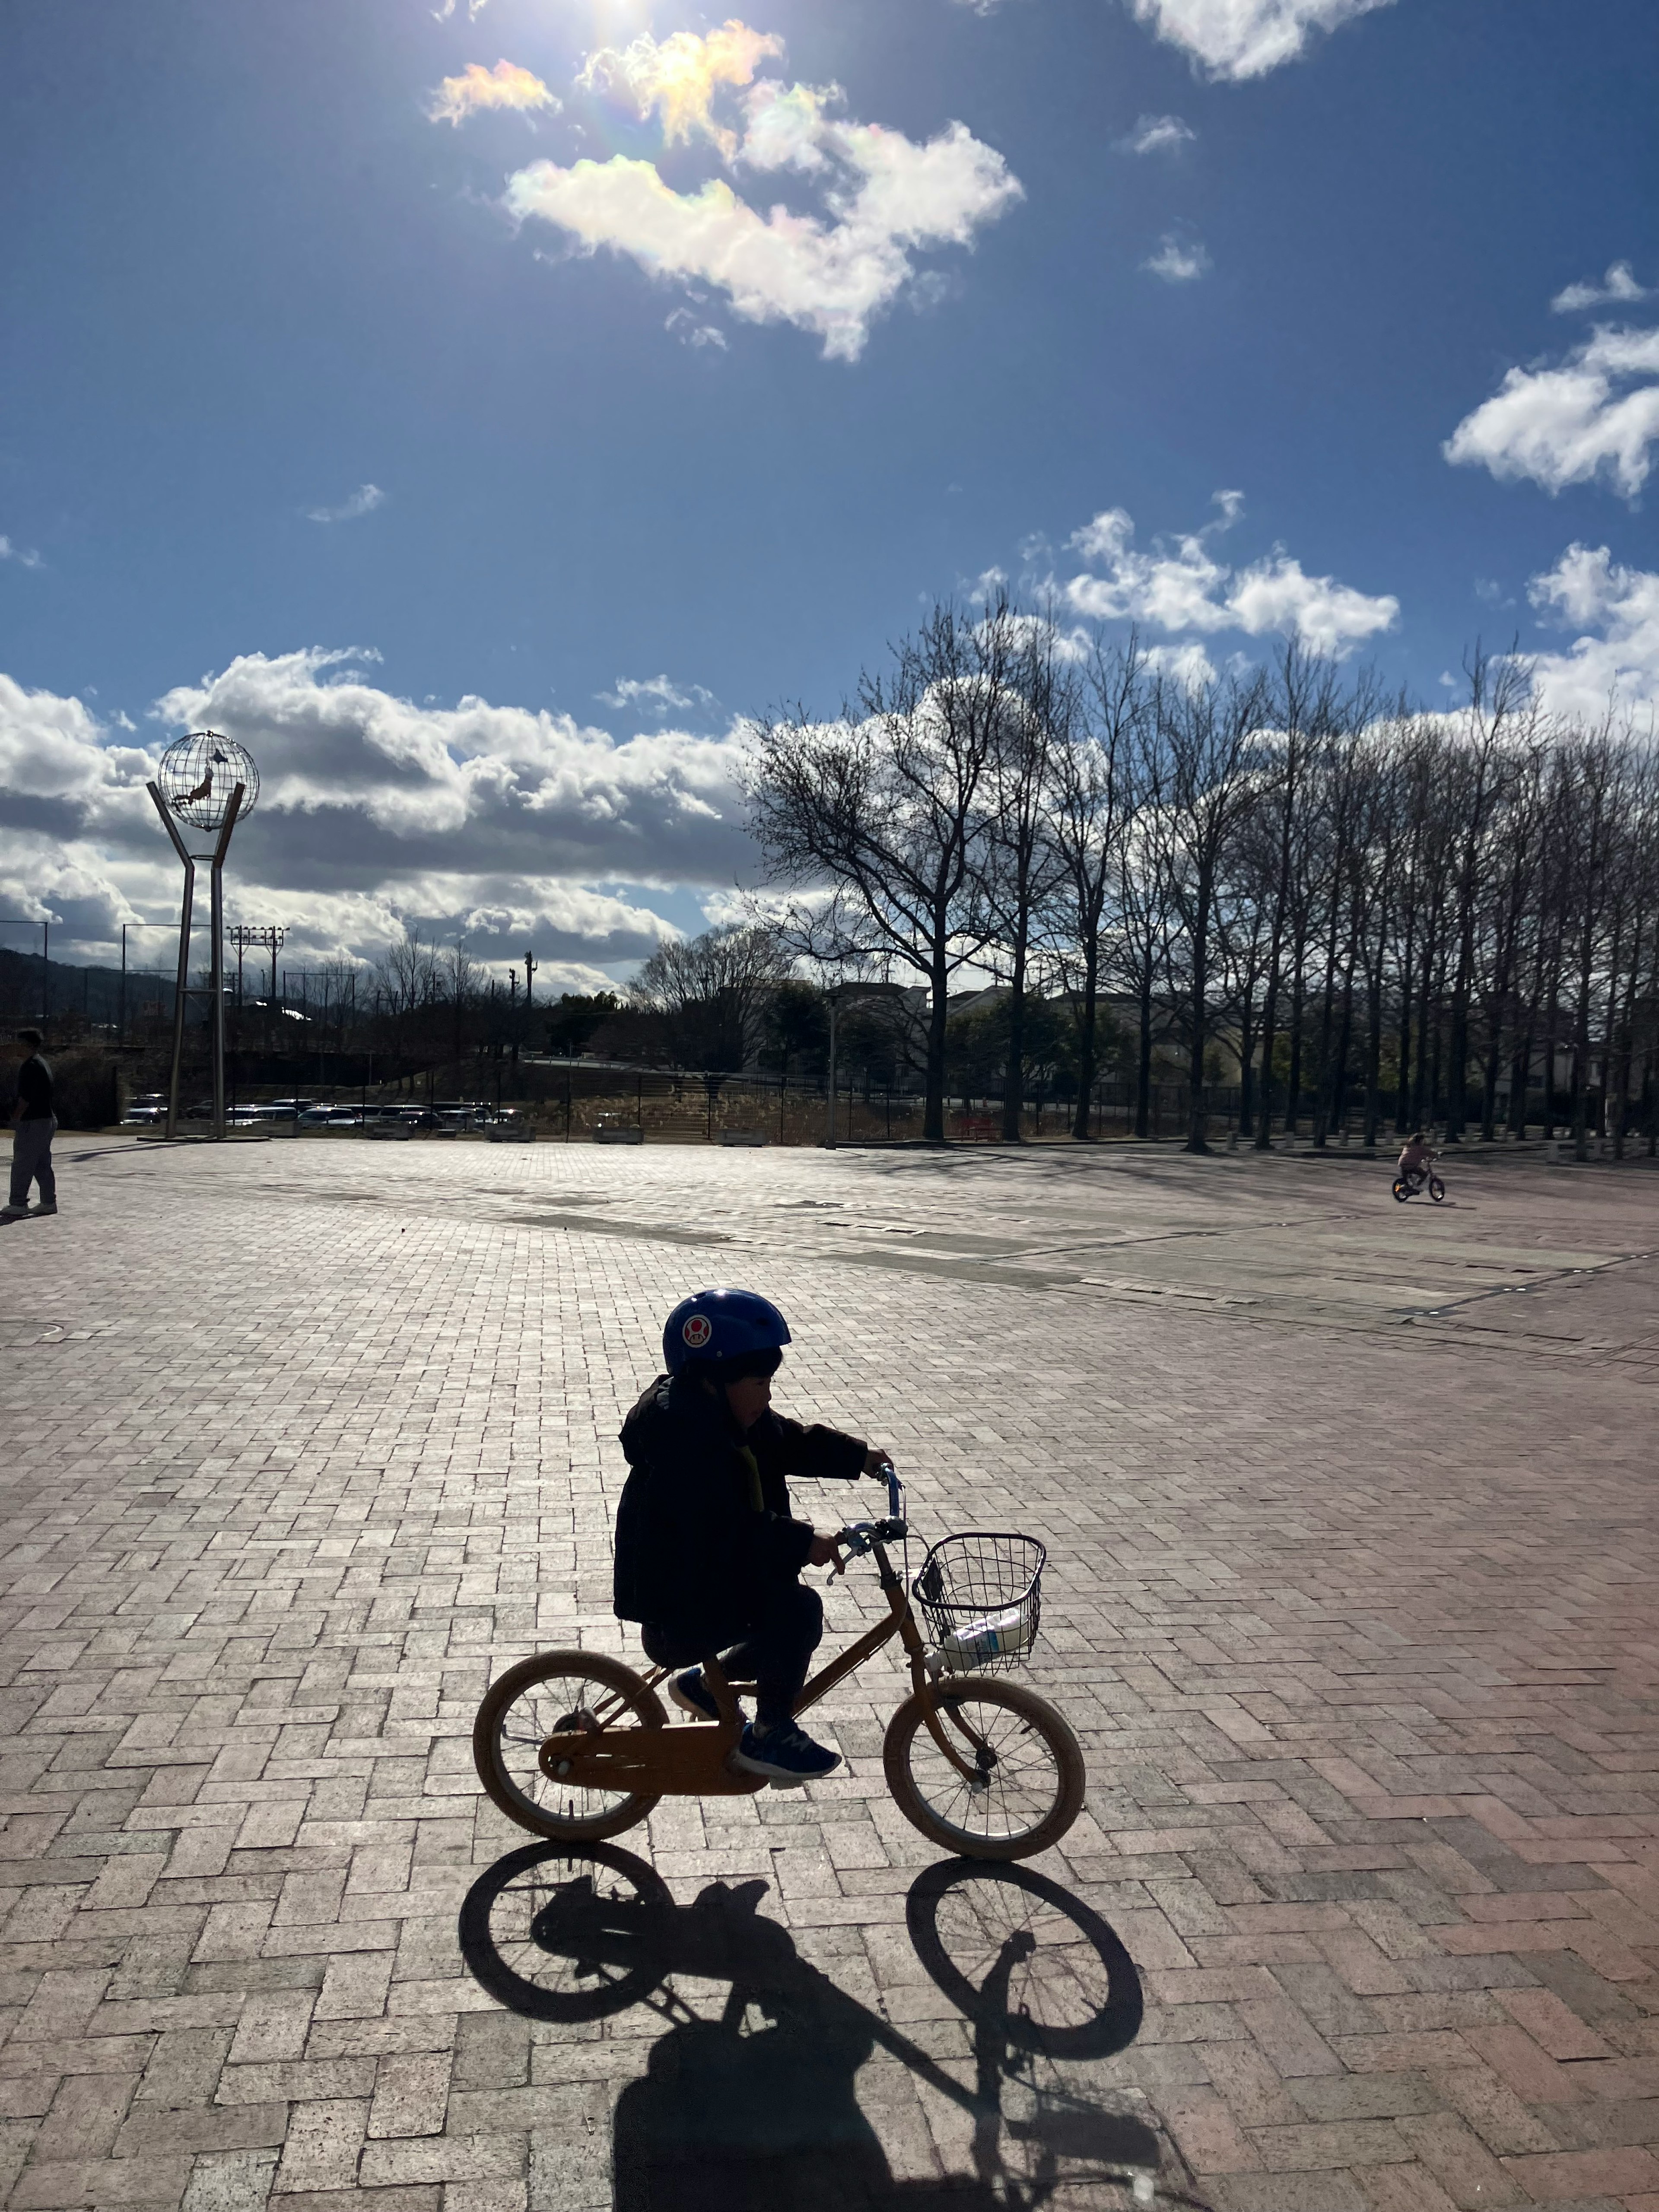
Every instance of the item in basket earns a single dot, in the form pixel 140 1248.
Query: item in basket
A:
pixel 994 1636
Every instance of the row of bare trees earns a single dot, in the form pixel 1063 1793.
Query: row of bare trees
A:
pixel 1364 908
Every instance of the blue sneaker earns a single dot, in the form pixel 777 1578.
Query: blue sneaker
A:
pixel 784 1755
pixel 693 1695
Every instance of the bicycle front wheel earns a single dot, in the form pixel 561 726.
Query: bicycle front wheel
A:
pixel 1437 1188
pixel 1026 1777
pixel 552 1694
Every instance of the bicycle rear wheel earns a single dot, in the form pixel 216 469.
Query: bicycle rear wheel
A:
pixel 552 1694
pixel 1029 1775
pixel 1401 1189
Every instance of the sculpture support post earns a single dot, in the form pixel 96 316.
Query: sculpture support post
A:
pixel 216 880
pixel 183 984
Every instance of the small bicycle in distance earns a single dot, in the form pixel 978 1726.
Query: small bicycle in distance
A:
pixel 1417 1180
pixel 576 1745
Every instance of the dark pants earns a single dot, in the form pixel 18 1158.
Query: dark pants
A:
pixel 774 1654
pixel 31 1161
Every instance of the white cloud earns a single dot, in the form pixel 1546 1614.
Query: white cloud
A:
pixel 1574 423
pixel 1178 260
pixel 474 9
pixel 477 817
pixel 655 694
pixel 477 87
pixel 363 501
pixel 884 196
pixel 1619 288
pixel 1239 39
pixel 25 555
pixel 1617 657
pixel 677 81
pixel 1157 134
pixel 689 331
pixel 1188 666
pixel 1184 587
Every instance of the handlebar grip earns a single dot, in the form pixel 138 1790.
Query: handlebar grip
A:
pixel 895 1490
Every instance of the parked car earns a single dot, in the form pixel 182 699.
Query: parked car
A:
pixel 331 1117
pixel 145 1109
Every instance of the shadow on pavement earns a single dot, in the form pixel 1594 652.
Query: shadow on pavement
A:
pixel 756 2108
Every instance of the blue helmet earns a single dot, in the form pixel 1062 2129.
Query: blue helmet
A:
pixel 716 1325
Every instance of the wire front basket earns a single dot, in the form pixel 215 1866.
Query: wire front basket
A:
pixel 981 1596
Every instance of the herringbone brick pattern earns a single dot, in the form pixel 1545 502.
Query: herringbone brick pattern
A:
pixel 1356 1625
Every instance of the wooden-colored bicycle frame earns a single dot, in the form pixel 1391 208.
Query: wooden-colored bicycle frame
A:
pixel 693 1761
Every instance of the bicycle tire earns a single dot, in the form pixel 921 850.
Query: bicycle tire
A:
pixel 1401 1189
pixel 1040 1718
pixel 597 1998
pixel 1111 2026
pixel 1436 1189
pixel 537 1813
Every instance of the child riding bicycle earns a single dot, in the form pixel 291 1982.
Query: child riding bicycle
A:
pixel 709 1556
pixel 1415 1158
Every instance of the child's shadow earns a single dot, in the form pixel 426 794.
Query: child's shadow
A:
pixel 757 2111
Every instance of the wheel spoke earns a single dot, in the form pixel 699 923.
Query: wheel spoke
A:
pixel 546 1705
pixel 1021 1777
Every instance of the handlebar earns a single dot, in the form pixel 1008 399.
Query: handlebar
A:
pixel 895 1490
pixel 856 1539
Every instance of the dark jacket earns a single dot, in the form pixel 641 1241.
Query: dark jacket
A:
pixel 692 1545
pixel 34 1090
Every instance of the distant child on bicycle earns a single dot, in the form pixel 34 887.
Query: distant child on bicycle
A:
pixel 1415 1158
pixel 709 1558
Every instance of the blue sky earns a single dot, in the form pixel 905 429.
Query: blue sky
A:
pixel 305 354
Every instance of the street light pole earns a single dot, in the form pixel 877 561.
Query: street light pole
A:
pixel 830 1129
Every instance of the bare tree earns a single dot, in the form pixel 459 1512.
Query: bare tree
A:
pixel 885 809
pixel 407 973
pixel 1208 730
pixel 710 992
pixel 1021 861
pixel 1089 794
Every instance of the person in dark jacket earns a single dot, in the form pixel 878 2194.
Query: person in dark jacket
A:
pixel 709 1556
pixel 34 1125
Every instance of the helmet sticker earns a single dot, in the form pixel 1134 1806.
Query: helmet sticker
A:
pixel 696 1330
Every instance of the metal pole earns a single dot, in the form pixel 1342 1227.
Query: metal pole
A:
pixel 216 959
pixel 121 1016
pixel 45 978
pixel 182 984
pixel 829 1136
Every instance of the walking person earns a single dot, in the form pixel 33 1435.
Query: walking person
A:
pixel 33 1127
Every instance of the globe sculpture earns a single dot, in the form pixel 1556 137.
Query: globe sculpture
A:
pixel 194 785
pixel 199 773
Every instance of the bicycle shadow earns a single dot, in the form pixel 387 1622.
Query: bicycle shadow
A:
pixel 758 2107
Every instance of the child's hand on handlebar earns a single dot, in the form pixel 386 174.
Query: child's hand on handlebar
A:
pixel 825 1551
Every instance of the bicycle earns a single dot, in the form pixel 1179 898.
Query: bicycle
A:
pixel 1410 1184
pixel 575 1745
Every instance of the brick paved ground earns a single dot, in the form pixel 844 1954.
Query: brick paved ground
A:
pixel 1351 1601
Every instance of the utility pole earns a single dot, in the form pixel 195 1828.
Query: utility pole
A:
pixel 531 964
